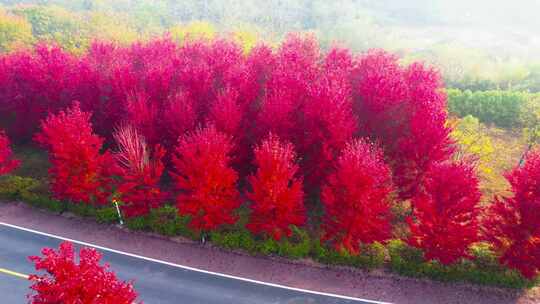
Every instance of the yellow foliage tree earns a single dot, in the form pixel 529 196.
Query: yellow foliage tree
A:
pixel 246 38
pixel 54 23
pixel 196 30
pixel 492 157
pixel 15 32
pixel 106 26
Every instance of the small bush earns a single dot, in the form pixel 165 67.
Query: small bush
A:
pixel 35 83
pixel 297 246
pixel 166 221
pixel 43 202
pixel 137 223
pixel 107 215
pixel 30 191
pixel 370 257
pixel 82 209
pixel 15 187
pixel 239 239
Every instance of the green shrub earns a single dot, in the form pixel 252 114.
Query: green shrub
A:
pixel 370 257
pixel 29 190
pixel 43 202
pixel 240 239
pixel 106 215
pixel 167 221
pixel 267 247
pixel 506 109
pixel 14 187
pixel 482 269
pixel 298 246
pixel 82 209
pixel 137 223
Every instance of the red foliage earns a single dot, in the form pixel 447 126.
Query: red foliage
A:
pixel 512 224
pixel 226 113
pixel 179 117
pixel 314 102
pixel 308 102
pixel 69 282
pixel 139 171
pixel 276 194
pixel 144 115
pixel 205 178
pixel 329 119
pixel 132 83
pixel 204 69
pixel 405 110
pixel 356 198
pixel 79 172
pixel 7 162
pixel 32 83
pixel 295 69
pixel 444 222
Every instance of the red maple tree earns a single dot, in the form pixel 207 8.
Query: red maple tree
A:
pixel 79 171
pixel 512 224
pixel 444 222
pixel 205 179
pixel 71 281
pixel 356 198
pixel 276 190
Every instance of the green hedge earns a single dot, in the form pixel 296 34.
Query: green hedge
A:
pixel 505 109
pixel 483 268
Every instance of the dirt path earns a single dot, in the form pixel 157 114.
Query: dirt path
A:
pixel 377 285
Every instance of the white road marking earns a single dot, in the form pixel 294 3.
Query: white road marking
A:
pixel 190 268
pixel 13 273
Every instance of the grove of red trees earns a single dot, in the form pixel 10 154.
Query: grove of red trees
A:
pixel 269 130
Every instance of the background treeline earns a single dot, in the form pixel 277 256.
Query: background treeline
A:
pixel 432 31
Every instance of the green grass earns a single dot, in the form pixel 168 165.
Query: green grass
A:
pixel 34 162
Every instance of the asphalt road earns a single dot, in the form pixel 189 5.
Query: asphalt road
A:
pixel 155 281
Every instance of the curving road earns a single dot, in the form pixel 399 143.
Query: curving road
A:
pixel 156 281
